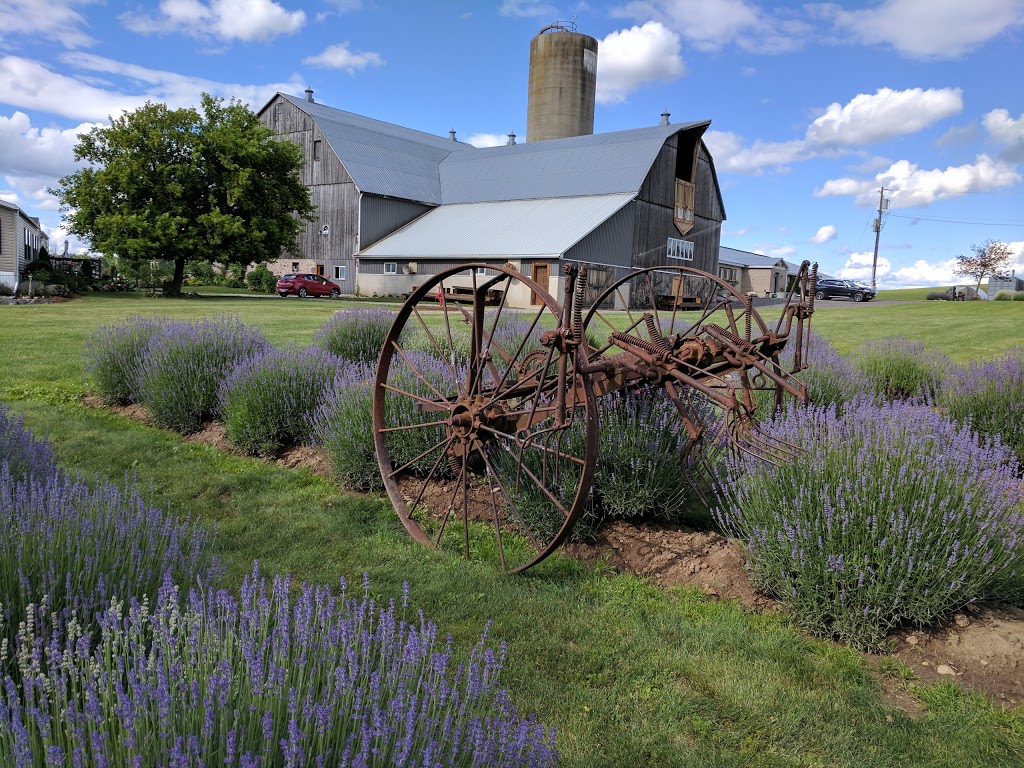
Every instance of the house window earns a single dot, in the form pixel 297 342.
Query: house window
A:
pixel 481 270
pixel 339 273
pixel 317 149
pixel 278 109
pixel 295 266
pixel 391 268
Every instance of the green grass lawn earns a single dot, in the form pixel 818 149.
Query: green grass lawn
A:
pixel 630 674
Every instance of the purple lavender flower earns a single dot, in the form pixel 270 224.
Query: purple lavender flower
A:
pixel 21 455
pixel 408 700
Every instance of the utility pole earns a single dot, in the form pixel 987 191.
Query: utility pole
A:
pixel 882 204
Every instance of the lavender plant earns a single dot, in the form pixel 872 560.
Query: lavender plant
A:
pixel 989 397
pixel 894 514
pixel 79 546
pixel 21 455
pixel 115 358
pixel 274 677
pixel 900 369
pixel 269 400
pixel 830 378
pixel 344 423
pixel 355 335
pixel 186 363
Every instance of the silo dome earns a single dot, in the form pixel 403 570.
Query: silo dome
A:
pixel 563 83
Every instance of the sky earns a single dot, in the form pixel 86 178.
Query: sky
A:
pixel 814 106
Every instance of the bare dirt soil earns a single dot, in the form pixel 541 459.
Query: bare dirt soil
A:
pixel 981 648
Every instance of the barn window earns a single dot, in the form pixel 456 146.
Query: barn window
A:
pixel 317 149
pixel 391 268
pixel 339 273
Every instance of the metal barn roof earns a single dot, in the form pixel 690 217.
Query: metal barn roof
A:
pixel 383 158
pixel 740 258
pixel 597 164
pixel 504 229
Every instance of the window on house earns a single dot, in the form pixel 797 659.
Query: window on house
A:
pixel 317 149
pixel 339 273
pixel 481 270
pixel 295 266
pixel 391 268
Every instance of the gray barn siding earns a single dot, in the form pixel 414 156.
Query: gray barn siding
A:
pixel 380 216
pixel 331 190
pixel 610 243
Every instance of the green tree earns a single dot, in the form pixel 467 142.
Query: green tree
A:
pixel 987 260
pixel 183 185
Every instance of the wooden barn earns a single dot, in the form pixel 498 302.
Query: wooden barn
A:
pixel 396 205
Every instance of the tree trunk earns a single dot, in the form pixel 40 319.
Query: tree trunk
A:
pixel 179 276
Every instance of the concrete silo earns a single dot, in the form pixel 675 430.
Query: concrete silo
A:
pixel 563 81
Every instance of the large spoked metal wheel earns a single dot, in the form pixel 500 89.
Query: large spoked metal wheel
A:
pixel 485 429
pixel 658 309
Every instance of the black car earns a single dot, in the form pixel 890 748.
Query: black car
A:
pixel 829 288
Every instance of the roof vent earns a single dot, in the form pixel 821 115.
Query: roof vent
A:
pixel 451 135
pixel 309 95
pixel 664 117
pixel 511 138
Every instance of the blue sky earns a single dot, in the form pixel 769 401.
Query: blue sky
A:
pixel 814 106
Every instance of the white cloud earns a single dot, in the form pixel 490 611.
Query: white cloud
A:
pixel 937 29
pixel 1005 130
pixel 730 154
pixel 922 273
pixel 487 140
pixel 629 58
pixel 910 185
pixel 824 234
pixel 245 20
pixel 710 25
pixel 527 8
pixel 28 21
pixel 340 57
pixel 858 267
pixel 29 84
pixel 870 118
pixel 41 153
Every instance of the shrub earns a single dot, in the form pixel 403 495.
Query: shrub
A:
pixel 900 369
pixel 355 335
pixel 115 357
pixel 1018 296
pixel 78 546
pixel 641 468
pixel 274 677
pixel 937 296
pixel 894 514
pixel 988 396
pixel 186 362
pixel 344 423
pixel 261 279
pixel 1003 296
pixel 21 455
pixel 6 289
pixel 270 400
pixel 830 378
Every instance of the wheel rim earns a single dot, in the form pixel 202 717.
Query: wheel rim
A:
pixel 820 295
pixel 471 449
pixel 668 297
pixel 302 292
pixel 858 297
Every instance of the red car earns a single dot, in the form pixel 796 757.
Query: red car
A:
pixel 307 285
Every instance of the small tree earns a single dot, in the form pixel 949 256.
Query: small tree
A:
pixel 181 185
pixel 987 260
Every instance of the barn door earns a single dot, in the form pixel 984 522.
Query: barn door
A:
pixel 541 275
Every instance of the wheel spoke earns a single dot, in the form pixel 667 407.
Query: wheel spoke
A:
pixel 434 344
pixel 535 445
pixel 541 485
pixel 416 371
pixel 491 471
pixel 445 442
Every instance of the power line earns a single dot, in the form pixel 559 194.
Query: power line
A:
pixel 975 222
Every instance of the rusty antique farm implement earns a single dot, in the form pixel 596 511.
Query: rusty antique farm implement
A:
pixel 487 415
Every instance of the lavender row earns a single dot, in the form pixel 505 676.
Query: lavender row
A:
pixel 892 513
pixel 276 676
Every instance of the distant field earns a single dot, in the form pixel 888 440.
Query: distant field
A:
pixel 907 294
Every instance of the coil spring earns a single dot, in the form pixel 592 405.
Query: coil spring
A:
pixel 646 346
pixel 577 303
pixel 749 312
pixel 720 331
pixel 655 331
pixel 813 276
